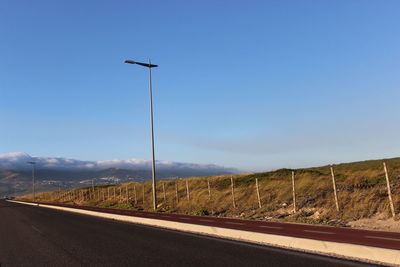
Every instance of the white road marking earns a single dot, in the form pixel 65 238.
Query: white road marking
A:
pixel 319 232
pixel 234 223
pixel 385 238
pixel 37 230
pixel 206 220
pixel 272 227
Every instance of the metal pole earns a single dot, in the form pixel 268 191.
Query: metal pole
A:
pixel 33 181
pixel 152 141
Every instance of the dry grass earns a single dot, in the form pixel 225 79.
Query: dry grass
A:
pixel 361 190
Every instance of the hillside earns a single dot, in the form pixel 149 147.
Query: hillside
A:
pixel 61 173
pixel 361 186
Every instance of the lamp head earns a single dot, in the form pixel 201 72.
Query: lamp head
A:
pixel 141 64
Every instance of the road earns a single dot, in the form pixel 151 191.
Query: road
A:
pixel 35 236
pixel 381 239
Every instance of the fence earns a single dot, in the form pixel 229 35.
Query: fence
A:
pixel 294 190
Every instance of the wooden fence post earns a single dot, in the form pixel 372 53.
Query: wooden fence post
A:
pixel 334 188
pixel 134 191
pixel 187 190
pixel 127 194
pixel 258 194
pixel 294 193
pixel 233 193
pixel 165 197
pixel 115 197
pixel 209 189
pixel 176 192
pixel 108 193
pixel 143 194
pixel 389 191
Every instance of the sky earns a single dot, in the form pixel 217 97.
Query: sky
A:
pixel 253 85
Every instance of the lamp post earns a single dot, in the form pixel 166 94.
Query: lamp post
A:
pixel 33 178
pixel 150 66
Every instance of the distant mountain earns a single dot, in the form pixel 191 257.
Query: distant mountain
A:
pixel 55 172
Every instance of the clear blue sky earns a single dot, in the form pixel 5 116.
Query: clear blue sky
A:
pixel 255 85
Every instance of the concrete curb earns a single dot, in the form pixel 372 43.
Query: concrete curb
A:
pixel 341 250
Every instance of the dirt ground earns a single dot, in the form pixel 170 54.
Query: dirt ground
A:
pixel 377 223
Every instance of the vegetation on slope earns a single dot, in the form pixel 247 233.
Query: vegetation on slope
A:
pixel 362 193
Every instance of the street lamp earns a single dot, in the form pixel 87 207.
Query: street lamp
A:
pixel 33 178
pixel 150 66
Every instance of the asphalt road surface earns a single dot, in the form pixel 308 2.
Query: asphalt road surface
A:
pixel 380 239
pixel 35 236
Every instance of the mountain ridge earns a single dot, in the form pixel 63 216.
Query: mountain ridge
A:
pixel 57 172
pixel 19 160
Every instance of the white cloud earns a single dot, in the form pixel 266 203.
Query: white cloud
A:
pixel 18 160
